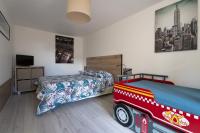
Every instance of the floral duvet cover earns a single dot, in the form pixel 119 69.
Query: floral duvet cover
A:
pixel 57 90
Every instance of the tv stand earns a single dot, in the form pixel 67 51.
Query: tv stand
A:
pixel 25 78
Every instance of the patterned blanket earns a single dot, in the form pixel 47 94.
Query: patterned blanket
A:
pixel 56 90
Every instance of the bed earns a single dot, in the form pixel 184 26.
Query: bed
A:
pixel 97 79
pixel 173 108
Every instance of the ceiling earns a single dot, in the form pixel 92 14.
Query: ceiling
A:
pixel 49 15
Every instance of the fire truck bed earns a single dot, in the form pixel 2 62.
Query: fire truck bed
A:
pixel 182 98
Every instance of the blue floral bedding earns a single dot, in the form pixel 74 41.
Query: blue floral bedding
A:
pixel 56 90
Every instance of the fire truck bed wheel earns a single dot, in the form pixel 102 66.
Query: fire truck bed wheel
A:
pixel 123 115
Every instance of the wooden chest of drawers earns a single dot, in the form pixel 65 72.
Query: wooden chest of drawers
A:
pixel 26 77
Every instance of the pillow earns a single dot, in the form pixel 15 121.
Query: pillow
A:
pixel 88 72
pixel 107 77
pixel 103 74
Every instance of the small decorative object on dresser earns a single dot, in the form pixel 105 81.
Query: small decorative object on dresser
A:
pixel 26 78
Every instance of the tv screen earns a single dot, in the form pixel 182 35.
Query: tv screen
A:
pixel 24 60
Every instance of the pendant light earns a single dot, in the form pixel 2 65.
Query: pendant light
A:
pixel 79 10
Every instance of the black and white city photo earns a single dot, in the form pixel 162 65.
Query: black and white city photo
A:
pixel 176 27
pixel 64 49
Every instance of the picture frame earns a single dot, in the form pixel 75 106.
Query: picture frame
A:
pixel 4 26
pixel 64 49
pixel 176 27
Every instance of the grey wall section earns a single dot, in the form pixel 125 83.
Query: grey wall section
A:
pixel 6 51
pixel 5 91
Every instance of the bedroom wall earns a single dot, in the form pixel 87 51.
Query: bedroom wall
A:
pixel 5 51
pixel 41 45
pixel 134 38
pixel 5 61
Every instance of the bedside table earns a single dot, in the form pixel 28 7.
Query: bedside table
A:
pixel 122 77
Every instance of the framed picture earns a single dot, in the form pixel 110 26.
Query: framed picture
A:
pixel 4 27
pixel 176 27
pixel 64 49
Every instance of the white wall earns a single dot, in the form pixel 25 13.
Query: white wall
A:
pixel 41 45
pixel 5 51
pixel 134 38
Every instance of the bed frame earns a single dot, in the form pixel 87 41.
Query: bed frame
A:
pixel 111 64
pixel 143 103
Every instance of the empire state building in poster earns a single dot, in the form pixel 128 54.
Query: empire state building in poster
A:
pixel 177 21
pixel 176 27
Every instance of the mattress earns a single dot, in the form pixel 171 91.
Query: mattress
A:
pixel 182 98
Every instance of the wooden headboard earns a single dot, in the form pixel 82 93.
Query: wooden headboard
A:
pixel 111 64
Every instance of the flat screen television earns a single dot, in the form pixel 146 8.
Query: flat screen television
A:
pixel 24 60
